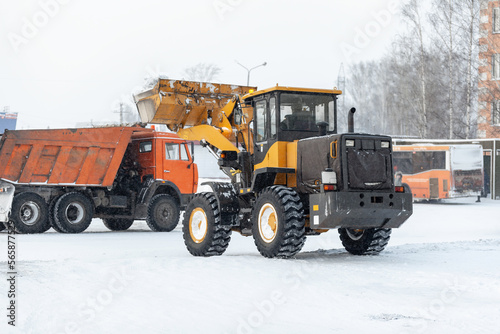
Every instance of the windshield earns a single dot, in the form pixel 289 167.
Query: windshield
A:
pixel 466 157
pixel 302 112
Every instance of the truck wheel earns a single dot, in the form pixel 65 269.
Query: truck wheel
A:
pixel 118 224
pixel 29 213
pixel 203 232
pixel 163 213
pixel 278 225
pixel 365 242
pixel 51 215
pixel 73 212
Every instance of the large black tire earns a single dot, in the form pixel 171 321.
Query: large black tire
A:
pixel 365 242
pixel 2 226
pixel 278 225
pixel 73 212
pixel 203 232
pixel 29 213
pixel 118 224
pixel 163 213
pixel 51 215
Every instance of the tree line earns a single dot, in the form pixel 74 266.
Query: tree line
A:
pixel 426 86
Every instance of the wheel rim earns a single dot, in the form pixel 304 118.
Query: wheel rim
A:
pixel 29 213
pixel 74 213
pixel 268 223
pixel 198 225
pixel 163 213
pixel 355 234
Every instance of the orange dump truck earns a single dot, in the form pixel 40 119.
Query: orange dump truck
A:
pixel 63 178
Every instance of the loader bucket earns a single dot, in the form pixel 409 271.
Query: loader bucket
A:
pixel 180 104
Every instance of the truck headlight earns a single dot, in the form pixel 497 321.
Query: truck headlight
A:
pixel 349 142
pixel 385 144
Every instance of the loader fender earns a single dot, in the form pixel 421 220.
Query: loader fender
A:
pixel 227 200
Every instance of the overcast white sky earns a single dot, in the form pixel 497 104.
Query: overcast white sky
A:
pixel 69 61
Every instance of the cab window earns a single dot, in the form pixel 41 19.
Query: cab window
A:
pixel 260 110
pixel 302 112
pixel 145 146
pixel 272 110
pixel 184 154
pixel 171 151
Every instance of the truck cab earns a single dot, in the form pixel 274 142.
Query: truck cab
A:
pixel 166 157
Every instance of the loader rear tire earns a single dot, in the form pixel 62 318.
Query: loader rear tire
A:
pixel 29 213
pixel 163 213
pixel 371 241
pixel 278 225
pixel 118 224
pixel 73 212
pixel 203 232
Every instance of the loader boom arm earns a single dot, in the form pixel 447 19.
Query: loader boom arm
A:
pixel 199 111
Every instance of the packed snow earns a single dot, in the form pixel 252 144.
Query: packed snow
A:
pixel 439 274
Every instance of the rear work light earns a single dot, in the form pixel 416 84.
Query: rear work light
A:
pixel 399 189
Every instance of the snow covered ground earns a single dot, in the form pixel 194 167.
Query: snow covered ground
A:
pixel 439 274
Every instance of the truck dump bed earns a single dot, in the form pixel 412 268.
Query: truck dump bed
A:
pixel 64 157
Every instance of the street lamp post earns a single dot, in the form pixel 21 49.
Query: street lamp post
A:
pixel 248 70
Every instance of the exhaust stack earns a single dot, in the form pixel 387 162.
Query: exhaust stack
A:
pixel 350 122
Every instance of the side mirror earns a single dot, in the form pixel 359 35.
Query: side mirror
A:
pixel 192 155
pixel 238 116
pixel 192 151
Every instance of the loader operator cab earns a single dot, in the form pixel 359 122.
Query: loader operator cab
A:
pixel 285 114
pixel 289 114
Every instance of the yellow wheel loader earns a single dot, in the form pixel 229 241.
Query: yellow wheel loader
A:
pixel 292 174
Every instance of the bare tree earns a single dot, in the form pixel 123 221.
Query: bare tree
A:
pixel 468 23
pixel 202 72
pixel 412 12
pixel 442 19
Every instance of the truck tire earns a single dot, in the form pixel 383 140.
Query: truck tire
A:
pixel 278 225
pixel 29 213
pixel 73 212
pixel 163 213
pixel 203 232
pixel 117 224
pixel 51 215
pixel 365 242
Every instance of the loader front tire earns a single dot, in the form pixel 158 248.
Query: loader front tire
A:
pixel 370 241
pixel 203 232
pixel 163 213
pixel 117 224
pixel 278 225
pixel 29 213
pixel 73 212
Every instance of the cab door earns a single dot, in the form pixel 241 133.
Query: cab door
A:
pixel 145 157
pixel 178 166
pixel 265 127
